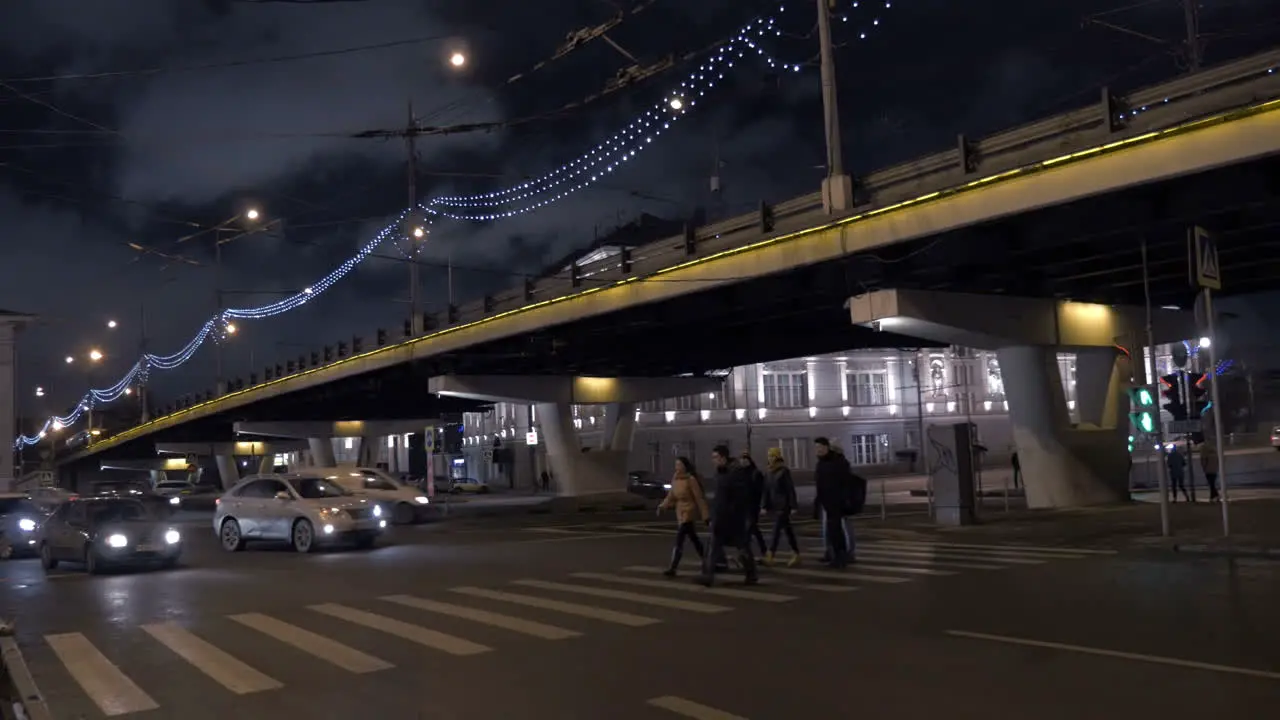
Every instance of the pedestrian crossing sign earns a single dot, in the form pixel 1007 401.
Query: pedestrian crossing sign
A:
pixel 1205 249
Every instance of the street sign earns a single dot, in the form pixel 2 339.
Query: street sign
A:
pixel 531 437
pixel 1205 249
pixel 488 454
pixel 1183 427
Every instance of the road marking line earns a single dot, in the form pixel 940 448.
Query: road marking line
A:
pixel 972 546
pixel 892 557
pixel 989 554
pixel 587 611
pixel 772 582
pixel 554 530
pixel 109 688
pixel 344 656
pixel 839 575
pixel 414 633
pixel 948 556
pixel 687 587
pixel 1156 659
pixel 220 666
pixel 691 709
pixel 624 595
pixel 506 622
pixel 642 529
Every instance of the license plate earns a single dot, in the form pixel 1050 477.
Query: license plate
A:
pixel 148 548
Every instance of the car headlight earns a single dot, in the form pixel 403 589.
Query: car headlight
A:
pixel 331 513
pixel 172 537
pixel 175 501
pixel 666 486
pixel 377 511
pixel 421 500
pixel 26 524
pixel 117 540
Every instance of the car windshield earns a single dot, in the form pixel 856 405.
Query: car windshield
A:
pixel 316 488
pixel 117 512
pixel 377 482
pixel 17 506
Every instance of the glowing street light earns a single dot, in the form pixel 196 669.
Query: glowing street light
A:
pixel 39 391
pixel 676 103
pixel 252 214
pixel 95 355
pixel 418 232
pixel 457 59
pixel 70 359
pixel 1205 343
pixel 128 391
pixel 231 328
pixel 56 425
pixel 112 324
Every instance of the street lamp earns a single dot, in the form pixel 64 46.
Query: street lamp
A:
pixel 676 103
pixel 56 426
pixel 252 214
pixel 112 324
pixel 457 59
pixel 231 328
pixel 1205 343
pixel 418 232
pixel 70 359
pixel 39 391
pixel 95 355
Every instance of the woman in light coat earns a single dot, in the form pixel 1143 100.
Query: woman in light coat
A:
pixel 690 504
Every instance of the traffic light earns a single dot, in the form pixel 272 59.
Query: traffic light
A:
pixel 1198 402
pixel 1143 411
pixel 1171 389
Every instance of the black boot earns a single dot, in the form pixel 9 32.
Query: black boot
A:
pixel 675 563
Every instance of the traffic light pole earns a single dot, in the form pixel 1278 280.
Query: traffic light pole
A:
pixel 1154 380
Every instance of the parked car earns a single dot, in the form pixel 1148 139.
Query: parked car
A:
pixel 305 508
pixel 646 485
pixel 468 485
pixel 403 503
pixel 19 520
pixel 105 532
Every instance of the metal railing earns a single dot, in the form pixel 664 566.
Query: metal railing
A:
pixel 1214 91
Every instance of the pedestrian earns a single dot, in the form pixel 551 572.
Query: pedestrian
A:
pixel 1209 462
pixel 840 492
pixel 546 480
pixel 1017 469
pixel 780 500
pixel 729 517
pixel 1177 474
pixel 690 504
pixel 755 501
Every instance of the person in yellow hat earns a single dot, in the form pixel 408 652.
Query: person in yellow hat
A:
pixel 780 499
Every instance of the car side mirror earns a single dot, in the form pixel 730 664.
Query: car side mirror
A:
pixel 282 495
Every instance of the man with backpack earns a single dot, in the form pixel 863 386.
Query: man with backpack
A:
pixel 840 493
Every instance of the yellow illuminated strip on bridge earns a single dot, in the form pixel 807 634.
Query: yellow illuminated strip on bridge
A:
pixel 1142 139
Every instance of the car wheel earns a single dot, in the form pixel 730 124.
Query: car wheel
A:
pixel 47 560
pixel 92 564
pixel 403 514
pixel 232 540
pixel 303 536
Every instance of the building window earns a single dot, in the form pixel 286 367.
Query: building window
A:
pixel 651 406
pixel 869 450
pixel 797 453
pixel 685 402
pixel 867 388
pixel 995 381
pixel 785 390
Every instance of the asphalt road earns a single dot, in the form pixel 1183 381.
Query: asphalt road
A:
pixel 457 621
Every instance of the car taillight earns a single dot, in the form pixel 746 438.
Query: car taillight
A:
pixel 217 501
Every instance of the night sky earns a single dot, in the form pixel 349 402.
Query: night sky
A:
pixel 144 121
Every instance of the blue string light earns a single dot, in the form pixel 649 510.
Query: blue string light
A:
pixel 584 171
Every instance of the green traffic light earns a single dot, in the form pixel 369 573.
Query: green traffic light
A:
pixel 1146 423
pixel 1144 398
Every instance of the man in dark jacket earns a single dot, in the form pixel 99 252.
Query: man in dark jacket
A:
pixel 729 517
pixel 755 500
pixel 833 479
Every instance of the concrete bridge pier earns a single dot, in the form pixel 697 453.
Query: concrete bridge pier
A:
pixel 321 450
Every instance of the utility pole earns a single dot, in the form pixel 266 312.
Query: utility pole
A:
pixel 1191 16
pixel 410 137
pixel 837 188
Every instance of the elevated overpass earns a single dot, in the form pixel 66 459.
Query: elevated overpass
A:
pixel 1055 209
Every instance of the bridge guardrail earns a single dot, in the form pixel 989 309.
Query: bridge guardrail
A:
pixel 1212 91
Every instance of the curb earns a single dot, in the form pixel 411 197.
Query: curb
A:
pixel 1249 551
pixel 28 703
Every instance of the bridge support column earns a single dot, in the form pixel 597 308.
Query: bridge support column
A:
pixel 321 451
pixel 1094 367
pixel 267 464
pixel 1062 466
pixel 368 451
pixel 619 426
pixel 228 471
pixel 578 473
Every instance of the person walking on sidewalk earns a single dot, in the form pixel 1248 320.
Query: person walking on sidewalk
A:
pixel 690 503
pixel 1209 461
pixel 780 500
pixel 729 517
pixel 755 501
pixel 1017 469
pixel 1177 475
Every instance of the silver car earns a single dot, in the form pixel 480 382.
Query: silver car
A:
pixel 303 508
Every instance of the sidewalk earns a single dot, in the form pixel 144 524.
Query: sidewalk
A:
pixel 1194 528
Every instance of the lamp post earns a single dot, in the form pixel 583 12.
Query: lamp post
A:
pixel 252 215
pixel 95 357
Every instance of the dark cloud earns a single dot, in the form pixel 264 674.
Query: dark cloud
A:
pixel 196 146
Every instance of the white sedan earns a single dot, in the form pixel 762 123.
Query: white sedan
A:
pixel 304 508
pixel 405 504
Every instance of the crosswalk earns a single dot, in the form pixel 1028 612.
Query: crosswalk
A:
pixel 116 669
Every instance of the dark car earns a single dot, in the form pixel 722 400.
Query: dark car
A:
pixel 644 484
pixel 19 518
pixel 105 532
